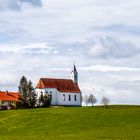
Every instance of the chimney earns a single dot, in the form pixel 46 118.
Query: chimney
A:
pixel 6 92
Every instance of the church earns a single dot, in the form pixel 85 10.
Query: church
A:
pixel 63 92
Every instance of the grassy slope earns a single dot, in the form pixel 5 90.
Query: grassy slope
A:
pixel 87 123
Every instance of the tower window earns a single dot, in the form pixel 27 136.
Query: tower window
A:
pixel 64 98
pixel 75 99
pixel 69 98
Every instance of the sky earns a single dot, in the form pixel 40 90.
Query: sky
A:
pixel 44 38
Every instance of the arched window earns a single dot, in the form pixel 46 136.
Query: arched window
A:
pixel 75 98
pixel 69 97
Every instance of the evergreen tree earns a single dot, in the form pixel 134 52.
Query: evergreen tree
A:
pixel 41 100
pixel 47 100
pixel 23 90
pixel 26 90
pixel 44 100
pixel 32 95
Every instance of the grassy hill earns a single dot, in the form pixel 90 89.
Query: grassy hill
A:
pixel 66 123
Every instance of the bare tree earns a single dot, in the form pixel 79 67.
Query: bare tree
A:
pixel 105 101
pixel 92 99
pixel 86 99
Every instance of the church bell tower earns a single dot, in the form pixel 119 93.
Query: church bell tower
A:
pixel 74 75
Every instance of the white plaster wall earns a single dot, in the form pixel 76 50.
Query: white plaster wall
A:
pixel 67 102
pixel 57 97
pixel 39 92
pixel 54 92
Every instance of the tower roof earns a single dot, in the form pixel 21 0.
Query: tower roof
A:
pixel 75 70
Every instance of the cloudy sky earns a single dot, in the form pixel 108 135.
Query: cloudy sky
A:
pixel 43 38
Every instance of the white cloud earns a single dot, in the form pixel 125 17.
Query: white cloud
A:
pixel 17 4
pixel 105 68
pixel 111 47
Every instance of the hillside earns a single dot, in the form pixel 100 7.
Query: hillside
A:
pixel 83 123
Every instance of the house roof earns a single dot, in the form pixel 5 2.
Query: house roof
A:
pixel 9 96
pixel 62 85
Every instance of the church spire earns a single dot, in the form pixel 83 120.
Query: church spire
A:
pixel 74 75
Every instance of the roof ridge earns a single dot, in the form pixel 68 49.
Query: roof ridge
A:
pixel 11 95
pixel 57 79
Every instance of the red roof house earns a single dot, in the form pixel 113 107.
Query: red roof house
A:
pixel 8 98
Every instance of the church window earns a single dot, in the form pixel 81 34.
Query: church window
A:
pixel 50 97
pixel 64 98
pixel 75 98
pixel 69 98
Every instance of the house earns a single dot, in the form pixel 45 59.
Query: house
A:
pixel 65 92
pixel 8 99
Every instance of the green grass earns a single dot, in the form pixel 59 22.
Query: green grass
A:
pixel 71 123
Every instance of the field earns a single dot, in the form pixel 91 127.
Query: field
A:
pixel 71 123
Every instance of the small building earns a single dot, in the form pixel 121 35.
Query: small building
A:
pixel 8 99
pixel 65 92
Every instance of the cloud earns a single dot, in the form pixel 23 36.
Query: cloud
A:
pixel 101 68
pixel 17 4
pixel 119 28
pixel 33 2
pixel 105 68
pixel 37 60
pixel 109 47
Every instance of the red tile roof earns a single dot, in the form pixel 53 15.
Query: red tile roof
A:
pixel 9 96
pixel 62 85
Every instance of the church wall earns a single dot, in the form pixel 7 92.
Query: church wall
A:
pixel 58 97
pixel 54 93
pixel 72 101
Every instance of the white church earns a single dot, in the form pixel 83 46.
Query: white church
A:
pixel 63 92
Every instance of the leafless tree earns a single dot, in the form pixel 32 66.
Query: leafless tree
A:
pixel 105 101
pixel 92 99
pixel 86 99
